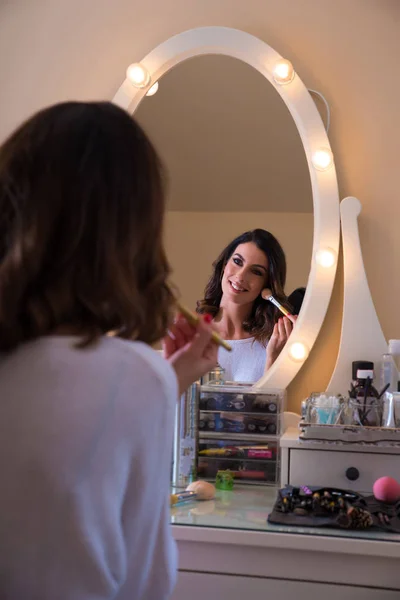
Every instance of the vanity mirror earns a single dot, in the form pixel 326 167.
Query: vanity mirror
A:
pixel 245 147
pixel 235 162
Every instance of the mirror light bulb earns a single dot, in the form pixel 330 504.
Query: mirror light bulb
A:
pixel 138 75
pixel 298 352
pixel 322 159
pixel 153 90
pixel 326 257
pixel 283 72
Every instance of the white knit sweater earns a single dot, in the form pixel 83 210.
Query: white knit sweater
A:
pixel 85 461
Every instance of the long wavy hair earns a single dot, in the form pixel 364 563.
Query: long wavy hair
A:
pixel 81 217
pixel 263 314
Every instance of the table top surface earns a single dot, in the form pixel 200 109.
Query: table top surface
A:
pixel 247 508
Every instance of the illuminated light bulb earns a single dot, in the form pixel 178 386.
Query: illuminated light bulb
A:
pixel 322 159
pixel 153 90
pixel 138 75
pixel 298 352
pixel 283 72
pixel 326 257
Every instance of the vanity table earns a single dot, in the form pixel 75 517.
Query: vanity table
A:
pixel 228 550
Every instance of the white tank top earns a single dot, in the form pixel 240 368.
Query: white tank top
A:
pixel 246 362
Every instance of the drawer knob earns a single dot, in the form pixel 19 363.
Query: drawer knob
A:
pixel 352 473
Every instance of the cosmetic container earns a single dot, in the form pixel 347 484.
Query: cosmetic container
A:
pixel 186 438
pixel 394 350
pixel 389 373
pixel 388 417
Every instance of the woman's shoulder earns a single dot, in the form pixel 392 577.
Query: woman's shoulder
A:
pixel 141 360
pixel 132 363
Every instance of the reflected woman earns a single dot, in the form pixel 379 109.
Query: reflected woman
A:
pixel 255 328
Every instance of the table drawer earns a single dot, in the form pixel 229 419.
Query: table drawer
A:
pixel 355 471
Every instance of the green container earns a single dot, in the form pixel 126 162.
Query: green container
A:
pixel 224 480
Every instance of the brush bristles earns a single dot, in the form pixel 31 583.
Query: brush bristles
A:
pixel 266 294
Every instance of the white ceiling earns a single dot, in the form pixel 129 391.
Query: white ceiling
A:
pixel 227 139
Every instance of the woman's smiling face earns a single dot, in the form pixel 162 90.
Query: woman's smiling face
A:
pixel 245 274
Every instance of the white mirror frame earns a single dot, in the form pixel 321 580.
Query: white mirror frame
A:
pixel 263 58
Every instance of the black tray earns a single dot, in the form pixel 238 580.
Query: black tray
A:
pixel 382 516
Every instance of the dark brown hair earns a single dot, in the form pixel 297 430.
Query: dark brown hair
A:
pixel 81 216
pixel 263 315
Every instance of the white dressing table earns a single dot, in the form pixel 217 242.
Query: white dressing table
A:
pixel 228 550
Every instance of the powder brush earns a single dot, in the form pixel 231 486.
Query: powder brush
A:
pixel 266 294
pixel 194 320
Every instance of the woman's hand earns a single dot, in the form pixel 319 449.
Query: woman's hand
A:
pixel 280 335
pixel 190 350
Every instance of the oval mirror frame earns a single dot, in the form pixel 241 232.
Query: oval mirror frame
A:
pixel 263 58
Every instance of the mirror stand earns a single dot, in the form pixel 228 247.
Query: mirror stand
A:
pixel 361 335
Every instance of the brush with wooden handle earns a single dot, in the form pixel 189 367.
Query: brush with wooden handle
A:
pixel 266 294
pixel 194 320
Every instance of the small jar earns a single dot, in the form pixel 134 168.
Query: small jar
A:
pixel 366 406
pixel 368 414
pixel 214 377
pixel 322 409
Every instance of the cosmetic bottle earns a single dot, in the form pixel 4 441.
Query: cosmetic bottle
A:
pixel 363 377
pixel 363 370
pixel 184 465
pixel 389 373
pixel 390 366
pixel 396 402
pixel 388 417
pixel 394 350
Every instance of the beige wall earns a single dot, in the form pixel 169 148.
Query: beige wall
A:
pixel 53 50
pixel 195 239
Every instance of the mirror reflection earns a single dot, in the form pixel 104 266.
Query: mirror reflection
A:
pixel 239 216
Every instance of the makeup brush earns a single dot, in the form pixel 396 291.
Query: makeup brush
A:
pixel 266 294
pixel 194 320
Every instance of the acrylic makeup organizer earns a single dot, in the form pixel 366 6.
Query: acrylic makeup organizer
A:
pixel 239 430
